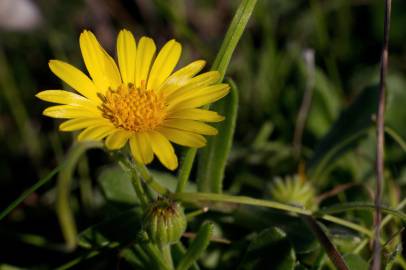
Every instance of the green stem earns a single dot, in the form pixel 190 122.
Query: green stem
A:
pixel 155 254
pixel 85 185
pixel 185 169
pixel 149 179
pixel 136 170
pixel 401 261
pixel 166 253
pixel 126 165
pixel 139 190
pixel 196 213
pixel 193 197
pixel 64 212
pixel 347 224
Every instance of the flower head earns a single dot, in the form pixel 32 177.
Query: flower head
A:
pixel 294 190
pixel 140 100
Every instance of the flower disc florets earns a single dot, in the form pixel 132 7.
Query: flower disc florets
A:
pixel 134 109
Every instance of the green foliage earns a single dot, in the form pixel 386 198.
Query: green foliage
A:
pixel 117 188
pixel 213 158
pixel 269 248
pixel 260 45
pixel 197 247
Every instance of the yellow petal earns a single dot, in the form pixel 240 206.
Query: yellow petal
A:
pixel 100 65
pixel 196 114
pixel 164 64
pixel 199 97
pixel 117 139
pixel 65 97
pixel 198 82
pixel 181 77
pixel 141 148
pixel 96 133
pixel 190 125
pixel 80 123
pixel 75 78
pixel 182 137
pixel 145 53
pixel 126 53
pixel 163 150
pixel 69 111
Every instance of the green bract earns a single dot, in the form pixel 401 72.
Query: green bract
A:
pixel 165 221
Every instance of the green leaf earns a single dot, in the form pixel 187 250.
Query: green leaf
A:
pixel 213 158
pixel 270 249
pixel 117 187
pixel 171 182
pixel 356 262
pixel 325 105
pixel 178 252
pixel 343 207
pixel 134 259
pixel 121 229
pixel 347 129
pixel 233 35
pixel 197 247
pixel 396 98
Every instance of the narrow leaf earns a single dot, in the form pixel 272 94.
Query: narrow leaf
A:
pixel 234 33
pixel 197 247
pixel 347 129
pixel 213 158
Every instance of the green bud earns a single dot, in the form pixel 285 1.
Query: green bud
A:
pixel 295 191
pixel 165 221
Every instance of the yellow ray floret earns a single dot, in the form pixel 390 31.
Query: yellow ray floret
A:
pixel 139 100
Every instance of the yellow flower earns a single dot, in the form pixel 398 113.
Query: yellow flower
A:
pixel 140 101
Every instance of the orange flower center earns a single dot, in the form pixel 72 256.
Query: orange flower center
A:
pixel 133 109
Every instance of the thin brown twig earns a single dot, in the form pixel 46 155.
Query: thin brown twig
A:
pixel 380 136
pixel 340 188
pixel 334 191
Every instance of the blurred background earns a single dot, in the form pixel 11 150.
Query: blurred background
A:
pixel 299 66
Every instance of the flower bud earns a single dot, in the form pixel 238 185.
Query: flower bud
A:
pixel 295 191
pixel 165 221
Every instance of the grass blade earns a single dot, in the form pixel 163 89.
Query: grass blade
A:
pixel 213 159
pixel 233 35
pixel 197 247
